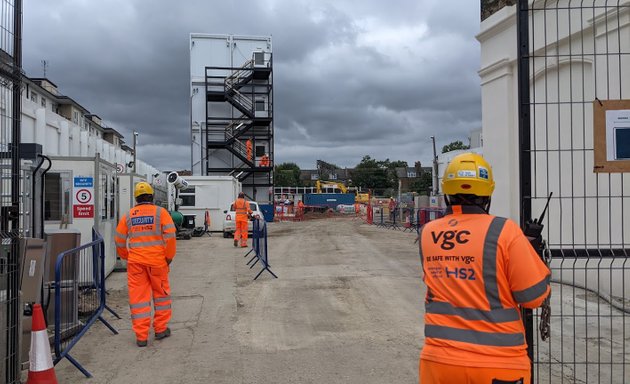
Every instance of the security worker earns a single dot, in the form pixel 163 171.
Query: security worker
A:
pixel 478 270
pixel 243 214
pixel 145 237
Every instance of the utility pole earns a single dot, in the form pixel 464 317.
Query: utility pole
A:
pixel 135 157
pixel 435 169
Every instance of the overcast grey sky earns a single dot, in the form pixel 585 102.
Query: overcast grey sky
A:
pixel 352 78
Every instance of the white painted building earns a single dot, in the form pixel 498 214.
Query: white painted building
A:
pixel 498 73
pixel 84 155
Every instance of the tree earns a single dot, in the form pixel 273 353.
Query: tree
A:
pixel 455 145
pixel 423 185
pixel 378 175
pixel 286 175
pixel 370 174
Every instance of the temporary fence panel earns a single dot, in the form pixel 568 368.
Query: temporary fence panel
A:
pixel 405 219
pixel 79 296
pixel 259 248
pixel 11 228
pixel 573 60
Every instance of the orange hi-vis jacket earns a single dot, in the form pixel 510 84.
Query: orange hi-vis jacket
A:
pixel 478 269
pixel 151 234
pixel 241 207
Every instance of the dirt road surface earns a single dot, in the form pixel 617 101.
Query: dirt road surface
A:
pixel 346 308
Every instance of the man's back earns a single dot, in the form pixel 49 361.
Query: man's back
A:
pixel 473 267
pixel 145 225
pixel 241 207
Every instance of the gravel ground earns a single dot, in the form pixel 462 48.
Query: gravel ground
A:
pixel 346 308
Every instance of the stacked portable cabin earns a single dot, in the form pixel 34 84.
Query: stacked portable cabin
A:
pixel 231 90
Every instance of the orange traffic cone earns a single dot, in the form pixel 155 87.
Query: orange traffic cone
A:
pixel 41 369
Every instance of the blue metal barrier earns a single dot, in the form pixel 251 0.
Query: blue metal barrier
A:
pixel 381 222
pixel 80 279
pixel 259 248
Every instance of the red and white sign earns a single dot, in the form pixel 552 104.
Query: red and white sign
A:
pixel 83 198
pixel 83 211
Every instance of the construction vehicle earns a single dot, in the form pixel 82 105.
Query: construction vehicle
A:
pixel 323 186
pixel 361 198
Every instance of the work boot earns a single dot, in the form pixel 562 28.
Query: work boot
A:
pixel 236 243
pixel 163 335
pixel 141 343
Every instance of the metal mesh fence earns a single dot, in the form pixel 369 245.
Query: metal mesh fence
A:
pixel 573 56
pixel 10 57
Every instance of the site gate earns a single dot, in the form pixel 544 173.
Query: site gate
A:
pixel 10 206
pixel 573 66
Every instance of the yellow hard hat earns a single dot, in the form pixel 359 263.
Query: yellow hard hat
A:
pixel 142 188
pixel 468 173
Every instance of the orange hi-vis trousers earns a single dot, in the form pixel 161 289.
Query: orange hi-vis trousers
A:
pixel 438 373
pixel 145 282
pixel 241 232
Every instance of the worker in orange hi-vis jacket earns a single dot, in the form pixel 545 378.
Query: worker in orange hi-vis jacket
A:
pixel 248 146
pixel 145 237
pixel 478 270
pixel 243 214
pixel 264 161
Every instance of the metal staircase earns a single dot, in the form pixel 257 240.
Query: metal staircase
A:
pixel 233 85
pixel 233 116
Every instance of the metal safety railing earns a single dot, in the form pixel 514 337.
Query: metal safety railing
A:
pixel 404 219
pixel 259 248
pixel 79 296
pixel 590 320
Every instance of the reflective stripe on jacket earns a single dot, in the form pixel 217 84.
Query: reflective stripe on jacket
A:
pixel 146 235
pixel 478 269
pixel 241 207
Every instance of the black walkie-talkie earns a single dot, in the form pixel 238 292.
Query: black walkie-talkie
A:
pixel 533 229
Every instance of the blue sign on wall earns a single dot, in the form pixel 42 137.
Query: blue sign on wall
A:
pixel 84 182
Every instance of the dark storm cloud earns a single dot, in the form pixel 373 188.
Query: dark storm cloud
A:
pixel 351 78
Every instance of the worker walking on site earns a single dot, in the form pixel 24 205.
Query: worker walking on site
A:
pixel 145 237
pixel 478 270
pixel 243 214
pixel 300 209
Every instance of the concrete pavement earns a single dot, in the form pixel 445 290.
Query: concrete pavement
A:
pixel 345 309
